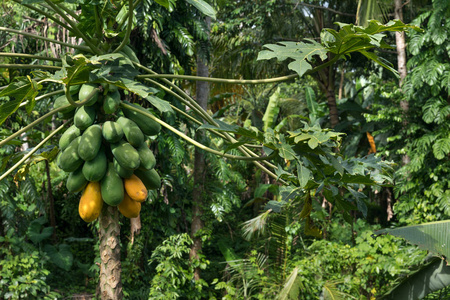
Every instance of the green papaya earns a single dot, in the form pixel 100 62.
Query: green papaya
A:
pixel 90 142
pixel 95 169
pixel 146 157
pixel 62 101
pixel 70 160
pixel 112 132
pixel 131 131
pixel 150 178
pixel 112 187
pixel 76 181
pixel 84 117
pixel 111 102
pixel 147 125
pixel 86 90
pixel 126 155
pixel 68 136
pixel 123 172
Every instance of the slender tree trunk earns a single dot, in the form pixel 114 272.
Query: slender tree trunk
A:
pixel 110 285
pixel 202 94
pixel 401 65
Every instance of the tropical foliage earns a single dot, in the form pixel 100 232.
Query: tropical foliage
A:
pixel 291 209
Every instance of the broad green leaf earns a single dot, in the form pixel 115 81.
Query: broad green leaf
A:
pixel 301 53
pixel 362 207
pixel 37 234
pixel 252 133
pixel 441 148
pixel 433 236
pixel 61 256
pixel 21 90
pixel 380 61
pixel 164 3
pixel 358 179
pixel 433 277
pixel 203 7
pixel 303 174
pixel 285 150
pixel 311 100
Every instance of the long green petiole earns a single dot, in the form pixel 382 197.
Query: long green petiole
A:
pixel 35 36
pixel 30 56
pixel 129 27
pixel 28 155
pixel 191 103
pixel 21 66
pixel 194 142
pixel 35 122
pixel 220 80
pixel 43 13
pixel 43 96
pixel 74 27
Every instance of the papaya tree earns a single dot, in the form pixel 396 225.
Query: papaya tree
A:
pixel 110 108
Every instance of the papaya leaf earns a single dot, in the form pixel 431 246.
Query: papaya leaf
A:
pixel 303 174
pixel 302 54
pixel 252 133
pixel 203 7
pixel 382 62
pixel 21 89
pixel 61 256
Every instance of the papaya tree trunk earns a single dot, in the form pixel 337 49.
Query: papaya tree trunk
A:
pixel 198 192
pixel 110 285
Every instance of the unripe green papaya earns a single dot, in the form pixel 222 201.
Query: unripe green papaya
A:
pixel 112 187
pixel 70 160
pixel 111 102
pixel 95 169
pixel 112 132
pixel 150 178
pixel 62 101
pixel 126 155
pixel 146 157
pixel 84 117
pixel 68 136
pixel 76 181
pixel 147 125
pixel 85 90
pixel 131 131
pixel 90 142
pixel 123 172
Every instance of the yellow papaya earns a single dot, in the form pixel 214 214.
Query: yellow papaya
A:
pixel 129 208
pixel 91 202
pixel 135 188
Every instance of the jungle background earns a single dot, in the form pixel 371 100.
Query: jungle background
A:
pixel 218 235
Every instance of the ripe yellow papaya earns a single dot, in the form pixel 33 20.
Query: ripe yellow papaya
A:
pixel 135 188
pixel 91 202
pixel 129 208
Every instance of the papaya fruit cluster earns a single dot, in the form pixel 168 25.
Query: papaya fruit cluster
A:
pixel 106 153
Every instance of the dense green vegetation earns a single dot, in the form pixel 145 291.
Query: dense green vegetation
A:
pixel 310 143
